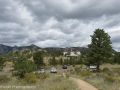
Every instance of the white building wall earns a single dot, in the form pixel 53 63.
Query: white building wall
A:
pixel 78 53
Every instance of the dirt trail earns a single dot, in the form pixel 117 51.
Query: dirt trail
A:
pixel 82 84
pixel 6 71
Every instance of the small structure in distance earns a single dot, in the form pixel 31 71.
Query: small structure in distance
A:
pixel 72 53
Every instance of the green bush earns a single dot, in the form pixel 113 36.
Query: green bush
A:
pixel 15 73
pixel 4 79
pixel 105 69
pixel 30 78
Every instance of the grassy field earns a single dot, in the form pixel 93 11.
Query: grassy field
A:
pixel 111 66
pixel 105 80
pixel 53 82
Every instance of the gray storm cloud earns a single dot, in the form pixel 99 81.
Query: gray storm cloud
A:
pixel 58 23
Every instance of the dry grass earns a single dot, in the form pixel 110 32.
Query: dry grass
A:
pixel 53 82
pixel 110 66
pixel 105 80
pixel 8 64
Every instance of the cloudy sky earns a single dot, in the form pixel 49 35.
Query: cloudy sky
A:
pixel 58 23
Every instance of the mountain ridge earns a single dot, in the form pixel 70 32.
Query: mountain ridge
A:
pixel 7 49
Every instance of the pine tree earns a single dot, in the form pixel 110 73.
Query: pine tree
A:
pixel 38 59
pixel 61 61
pixel 2 61
pixel 22 66
pixel 54 61
pixel 80 60
pixel 65 61
pixel 117 57
pixel 100 48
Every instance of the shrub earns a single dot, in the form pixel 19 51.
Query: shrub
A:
pixel 109 78
pixel 77 70
pixel 85 73
pixel 38 75
pixel 72 71
pixel 15 73
pixel 68 64
pixel 45 75
pixel 106 69
pixel 4 79
pixel 118 80
pixel 110 73
pixel 41 75
pixel 67 75
pixel 30 78
pixel 117 71
pixel 73 65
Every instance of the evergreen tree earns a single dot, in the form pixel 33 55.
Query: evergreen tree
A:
pixel 38 59
pixel 22 65
pixel 2 61
pixel 54 61
pixel 71 60
pixel 117 57
pixel 66 61
pixel 61 61
pixel 100 48
pixel 80 60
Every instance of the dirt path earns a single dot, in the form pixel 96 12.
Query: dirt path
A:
pixel 6 71
pixel 83 85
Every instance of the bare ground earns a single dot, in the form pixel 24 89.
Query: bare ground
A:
pixel 6 71
pixel 83 85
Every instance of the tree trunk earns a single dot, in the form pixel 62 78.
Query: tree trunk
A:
pixel 98 67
